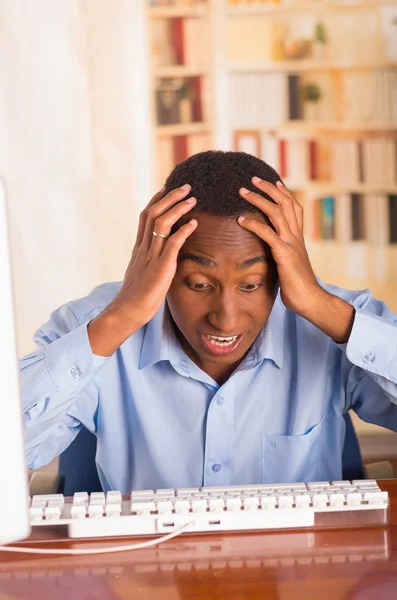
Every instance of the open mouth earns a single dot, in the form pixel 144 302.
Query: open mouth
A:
pixel 217 344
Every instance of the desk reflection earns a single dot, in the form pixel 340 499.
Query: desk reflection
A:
pixel 286 565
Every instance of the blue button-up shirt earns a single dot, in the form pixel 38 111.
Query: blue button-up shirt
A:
pixel 161 422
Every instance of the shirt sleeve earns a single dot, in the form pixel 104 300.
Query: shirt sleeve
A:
pixel 371 386
pixel 57 376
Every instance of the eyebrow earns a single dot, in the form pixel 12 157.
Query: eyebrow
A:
pixel 206 262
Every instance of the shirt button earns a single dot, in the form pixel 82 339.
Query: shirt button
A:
pixel 75 372
pixel 220 401
pixel 216 468
pixel 368 358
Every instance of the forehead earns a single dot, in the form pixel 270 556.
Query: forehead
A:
pixel 223 239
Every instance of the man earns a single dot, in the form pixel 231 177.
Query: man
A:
pixel 220 359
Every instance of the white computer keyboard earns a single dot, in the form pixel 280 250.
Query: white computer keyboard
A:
pixel 211 509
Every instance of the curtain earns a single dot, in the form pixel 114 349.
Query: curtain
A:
pixel 67 148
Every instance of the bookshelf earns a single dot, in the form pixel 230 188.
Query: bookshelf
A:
pixel 332 130
pixel 236 8
pixel 249 44
pixel 180 35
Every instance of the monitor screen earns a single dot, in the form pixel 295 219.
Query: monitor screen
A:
pixel 14 522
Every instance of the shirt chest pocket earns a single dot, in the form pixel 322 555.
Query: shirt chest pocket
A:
pixel 292 458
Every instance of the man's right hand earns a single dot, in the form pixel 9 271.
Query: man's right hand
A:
pixel 150 272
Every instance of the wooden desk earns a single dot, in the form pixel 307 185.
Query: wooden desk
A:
pixel 308 565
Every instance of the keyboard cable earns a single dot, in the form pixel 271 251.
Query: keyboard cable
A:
pixel 70 551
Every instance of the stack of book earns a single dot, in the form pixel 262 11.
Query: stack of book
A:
pixel 363 232
pixel 178 100
pixel 180 41
pixel 303 159
pixel 270 100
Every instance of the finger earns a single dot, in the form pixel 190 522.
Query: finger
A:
pixel 164 224
pixel 298 208
pixel 143 216
pixel 176 241
pixel 159 208
pixel 273 211
pixel 265 233
pixel 284 200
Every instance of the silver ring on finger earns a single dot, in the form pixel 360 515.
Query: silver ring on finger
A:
pixel 161 235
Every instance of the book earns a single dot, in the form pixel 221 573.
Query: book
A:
pixel 392 200
pixel 358 217
pixel 327 218
pixel 389 25
pixel 294 98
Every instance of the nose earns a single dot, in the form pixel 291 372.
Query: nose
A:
pixel 224 313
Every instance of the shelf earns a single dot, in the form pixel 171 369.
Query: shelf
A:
pixel 180 71
pixel 294 128
pixel 309 65
pixel 182 129
pixel 324 187
pixel 330 126
pixel 174 12
pixel 270 8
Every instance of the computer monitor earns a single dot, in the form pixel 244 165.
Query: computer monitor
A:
pixel 14 521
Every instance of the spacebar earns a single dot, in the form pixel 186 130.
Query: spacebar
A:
pixel 130 525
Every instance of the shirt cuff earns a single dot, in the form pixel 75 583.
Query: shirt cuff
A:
pixel 70 360
pixel 372 345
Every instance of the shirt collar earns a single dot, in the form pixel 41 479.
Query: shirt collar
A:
pixel 160 342
pixel 269 345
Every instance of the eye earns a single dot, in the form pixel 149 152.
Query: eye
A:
pixel 198 287
pixel 249 287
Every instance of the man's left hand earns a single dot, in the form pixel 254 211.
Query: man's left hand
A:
pixel 299 288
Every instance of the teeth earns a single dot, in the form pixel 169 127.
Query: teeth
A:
pixel 222 341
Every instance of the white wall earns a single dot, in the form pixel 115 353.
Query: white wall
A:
pixel 73 112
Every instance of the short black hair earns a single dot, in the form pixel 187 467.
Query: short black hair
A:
pixel 216 177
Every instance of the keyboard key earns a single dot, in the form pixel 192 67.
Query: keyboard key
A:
pixel 182 506
pixel 38 502
pixel 164 507
pixel 97 498
pixel 303 500
pixel 78 511
pixel 198 505
pixel 80 498
pixel 375 497
pixel 95 511
pixel 136 494
pixel 52 513
pixel 251 503
pixel 318 486
pixel 354 498
pixel 336 499
pixel 143 507
pixel 186 491
pixel 216 504
pixel 285 501
pixel 36 513
pixel 112 510
pixel 268 502
pixel 319 500
pixel 113 498
pixel 233 503
pixel 165 492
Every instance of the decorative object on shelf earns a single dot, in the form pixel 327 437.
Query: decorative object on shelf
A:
pixel 319 46
pixel 311 95
pixel 186 103
pixel 167 101
pixel 297 49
